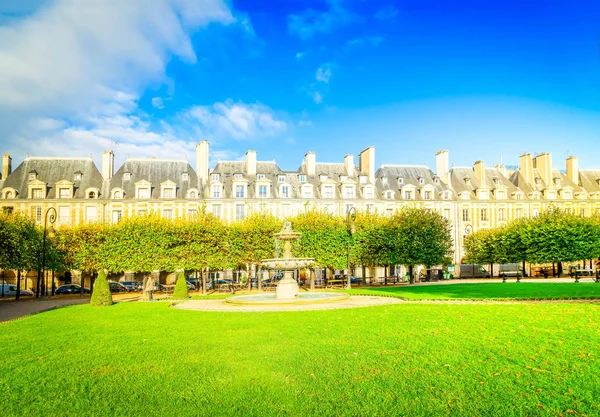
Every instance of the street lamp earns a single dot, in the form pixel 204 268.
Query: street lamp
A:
pixel 49 217
pixel 350 218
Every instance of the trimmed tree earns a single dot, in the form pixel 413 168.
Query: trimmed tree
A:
pixel 101 295
pixel 181 289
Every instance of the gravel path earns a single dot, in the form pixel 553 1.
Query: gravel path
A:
pixel 11 310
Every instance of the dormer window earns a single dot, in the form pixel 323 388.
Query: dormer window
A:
pixel 389 195
pixel 322 177
pixel 215 177
pixel 538 181
pixel 32 175
pixel 260 176
pixel 281 178
pixel 284 191
pixel 216 191
pixel 169 193
pixel 185 176
pixel 77 176
pixel 237 176
pixel 348 191
pixel 446 195
pixel 496 180
pixel 436 180
pixel 400 180
pixel 193 194
pixel 117 195
pixel 302 178
pixel 421 180
pixel 143 192
pixel 64 193
pixel 408 195
pixel 427 195
pixel 9 195
pixel 557 182
pixel 126 176
pixel 368 192
pixel 307 191
pixel 362 179
pixel 343 178
pixel 467 180
pixel 92 194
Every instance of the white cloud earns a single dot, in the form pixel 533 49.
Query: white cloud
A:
pixel 323 74
pixel 360 42
pixel 317 97
pixel 72 72
pixel 235 120
pixel 311 22
pixel 158 103
pixel 387 13
pixel 300 55
pixel 303 123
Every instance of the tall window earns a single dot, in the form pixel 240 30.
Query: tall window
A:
pixel 535 212
pixel 36 193
pixel 484 214
pixel 215 177
pixel 281 178
pixel 192 213
pixel 427 195
pixel 239 212
pixel 168 213
pixel 116 216
pixel 370 208
pixel 216 191
pixel 36 213
pixel 348 191
pixel 328 191
pixel 408 195
pixel 501 214
pixel 285 191
pixel 302 178
pixel 369 192
pixel 168 193
pixel 582 212
pixel 262 191
pixel 91 213
pixel 519 213
pixel 446 214
pixel 239 191
pixel 64 214
pixel 216 210
pixel 143 193
pixel 307 192
pixel 466 215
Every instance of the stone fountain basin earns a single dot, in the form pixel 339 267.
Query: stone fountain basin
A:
pixel 303 298
pixel 287 264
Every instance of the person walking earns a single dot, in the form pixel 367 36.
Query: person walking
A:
pixel 149 287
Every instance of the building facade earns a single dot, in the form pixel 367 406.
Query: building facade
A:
pixel 472 198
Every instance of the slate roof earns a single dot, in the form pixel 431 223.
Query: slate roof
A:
pixel 458 175
pixel 386 178
pixel 589 180
pixel 53 170
pixel 227 169
pixel 155 171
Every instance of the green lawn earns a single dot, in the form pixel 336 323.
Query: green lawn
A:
pixel 510 290
pixel 412 359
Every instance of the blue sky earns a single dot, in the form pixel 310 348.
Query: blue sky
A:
pixel 483 79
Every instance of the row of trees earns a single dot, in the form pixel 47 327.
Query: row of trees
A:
pixel 553 237
pixel 150 243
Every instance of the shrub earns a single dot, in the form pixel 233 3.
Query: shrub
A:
pixel 101 295
pixel 181 289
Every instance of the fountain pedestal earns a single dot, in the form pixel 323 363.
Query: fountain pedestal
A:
pixel 287 289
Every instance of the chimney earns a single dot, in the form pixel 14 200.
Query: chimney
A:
pixel 349 164
pixel 502 170
pixel 441 165
pixel 526 167
pixel 108 164
pixel 251 163
pixel 202 161
pixel 6 166
pixel 479 170
pixel 543 165
pixel 311 163
pixel 572 169
pixel 366 163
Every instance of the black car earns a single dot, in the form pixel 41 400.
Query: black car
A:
pixel 117 287
pixel 71 289
pixel 130 285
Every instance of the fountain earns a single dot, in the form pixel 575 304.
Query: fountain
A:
pixel 288 291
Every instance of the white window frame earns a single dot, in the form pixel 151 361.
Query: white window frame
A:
pixel 216 190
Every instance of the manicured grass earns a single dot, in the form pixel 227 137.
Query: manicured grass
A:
pixel 508 290
pixel 412 359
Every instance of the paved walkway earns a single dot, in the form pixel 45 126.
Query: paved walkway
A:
pixel 352 302
pixel 10 310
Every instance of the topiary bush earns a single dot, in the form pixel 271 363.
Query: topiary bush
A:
pixel 181 289
pixel 101 295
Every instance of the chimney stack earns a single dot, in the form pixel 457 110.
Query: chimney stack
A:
pixel 251 163
pixel 479 170
pixel 526 167
pixel 311 163
pixel 543 165
pixel 6 166
pixel 108 164
pixel 441 165
pixel 573 169
pixel 366 163
pixel 349 164
pixel 202 161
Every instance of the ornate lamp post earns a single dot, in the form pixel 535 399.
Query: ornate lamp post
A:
pixel 49 217
pixel 350 218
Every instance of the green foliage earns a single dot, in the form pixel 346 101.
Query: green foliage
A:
pixel 251 239
pixel 20 242
pixel 101 295
pixel 324 238
pixel 181 289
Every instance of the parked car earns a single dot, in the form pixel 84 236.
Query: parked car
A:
pixel 218 282
pixel 130 285
pixel 473 271
pixel 71 289
pixel 117 287
pixel 11 290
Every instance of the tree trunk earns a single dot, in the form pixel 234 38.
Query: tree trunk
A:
pixel 259 278
pixel 524 269
pixel 204 274
pixel 364 275
pixel 560 269
pixel 18 285
pixel 312 279
pixel 553 270
pixel 410 273
pixel 492 270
